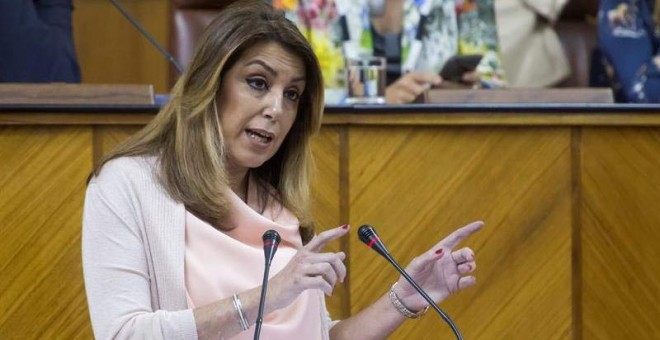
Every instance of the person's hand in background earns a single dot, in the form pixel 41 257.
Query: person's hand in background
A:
pixel 407 88
pixel 472 78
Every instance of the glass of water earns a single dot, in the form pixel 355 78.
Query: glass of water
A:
pixel 365 80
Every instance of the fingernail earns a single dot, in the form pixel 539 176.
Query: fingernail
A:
pixel 345 226
pixel 439 251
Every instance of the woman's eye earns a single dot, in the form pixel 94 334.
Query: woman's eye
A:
pixel 257 83
pixel 292 95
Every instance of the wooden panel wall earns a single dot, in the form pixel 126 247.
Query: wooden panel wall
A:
pixel 111 51
pixel 417 184
pixel 568 252
pixel 621 233
pixel 38 223
pixel 42 184
pixel 107 137
pixel 326 193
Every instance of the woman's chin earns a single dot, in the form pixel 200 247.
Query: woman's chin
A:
pixel 251 163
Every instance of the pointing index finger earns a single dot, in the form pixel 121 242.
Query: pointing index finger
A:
pixel 461 234
pixel 319 241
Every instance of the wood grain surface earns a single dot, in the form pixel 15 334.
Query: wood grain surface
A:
pixel 519 95
pixel 620 234
pixel 74 94
pixel 111 51
pixel 42 185
pixel 326 191
pixel 568 251
pixel 416 185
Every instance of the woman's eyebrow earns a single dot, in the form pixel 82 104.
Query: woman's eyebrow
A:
pixel 270 69
pixel 264 65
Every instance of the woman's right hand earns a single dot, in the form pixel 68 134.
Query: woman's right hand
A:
pixel 310 269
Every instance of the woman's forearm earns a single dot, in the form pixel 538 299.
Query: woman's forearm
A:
pixel 220 320
pixel 377 321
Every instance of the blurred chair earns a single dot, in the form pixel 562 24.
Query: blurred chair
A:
pixel 577 31
pixel 188 20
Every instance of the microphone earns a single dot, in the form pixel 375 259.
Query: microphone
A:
pixel 149 37
pixel 367 235
pixel 271 240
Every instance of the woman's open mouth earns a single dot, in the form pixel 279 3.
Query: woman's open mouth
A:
pixel 260 136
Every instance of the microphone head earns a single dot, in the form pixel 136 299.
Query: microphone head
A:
pixel 366 233
pixel 271 236
pixel 271 240
pixel 368 236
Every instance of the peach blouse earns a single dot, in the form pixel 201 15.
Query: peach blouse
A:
pixel 219 264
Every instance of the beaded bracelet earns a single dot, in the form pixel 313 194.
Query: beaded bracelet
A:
pixel 403 309
pixel 239 310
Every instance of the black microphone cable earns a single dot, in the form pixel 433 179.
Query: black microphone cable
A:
pixel 367 235
pixel 271 240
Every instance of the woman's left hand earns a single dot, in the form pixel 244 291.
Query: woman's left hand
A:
pixel 440 271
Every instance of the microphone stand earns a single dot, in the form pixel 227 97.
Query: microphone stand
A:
pixel 426 297
pixel 148 35
pixel 367 234
pixel 271 240
pixel 262 300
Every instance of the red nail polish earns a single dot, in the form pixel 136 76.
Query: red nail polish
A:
pixel 345 226
pixel 439 251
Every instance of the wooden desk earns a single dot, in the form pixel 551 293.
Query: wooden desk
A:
pixel 568 192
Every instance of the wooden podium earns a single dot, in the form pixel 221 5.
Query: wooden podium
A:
pixel 517 96
pixel 568 192
pixel 76 94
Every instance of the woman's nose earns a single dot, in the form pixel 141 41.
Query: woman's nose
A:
pixel 274 107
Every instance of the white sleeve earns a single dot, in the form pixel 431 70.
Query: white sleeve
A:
pixel 116 272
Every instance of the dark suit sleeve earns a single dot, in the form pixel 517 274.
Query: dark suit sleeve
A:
pixel 56 14
pixel 37 41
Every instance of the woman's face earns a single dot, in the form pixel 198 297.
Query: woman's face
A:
pixel 258 103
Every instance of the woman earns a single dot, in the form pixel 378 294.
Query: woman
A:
pixel 629 38
pixel 173 218
pixel 417 38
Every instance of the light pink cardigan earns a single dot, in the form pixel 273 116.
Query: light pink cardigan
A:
pixel 133 246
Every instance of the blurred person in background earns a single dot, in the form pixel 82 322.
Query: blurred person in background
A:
pixel 532 54
pixel 36 42
pixel 629 39
pixel 417 38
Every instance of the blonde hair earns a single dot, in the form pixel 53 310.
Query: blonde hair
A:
pixel 186 134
